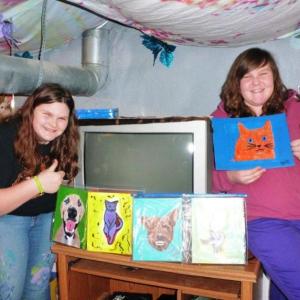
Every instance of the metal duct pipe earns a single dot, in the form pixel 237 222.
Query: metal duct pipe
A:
pixel 95 54
pixel 22 76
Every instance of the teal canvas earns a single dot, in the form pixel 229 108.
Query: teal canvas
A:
pixel 157 229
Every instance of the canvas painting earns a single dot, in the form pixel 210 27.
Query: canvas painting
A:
pixel 6 105
pixel 109 227
pixel 245 143
pixel 70 217
pixel 218 229
pixel 157 229
pixel 186 229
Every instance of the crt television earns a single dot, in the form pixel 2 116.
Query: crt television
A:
pixel 169 155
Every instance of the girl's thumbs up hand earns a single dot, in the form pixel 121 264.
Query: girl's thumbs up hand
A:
pixel 50 179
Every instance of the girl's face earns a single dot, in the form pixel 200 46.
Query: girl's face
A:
pixel 50 121
pixel 257 87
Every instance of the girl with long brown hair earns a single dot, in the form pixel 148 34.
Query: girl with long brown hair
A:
pixel 38 150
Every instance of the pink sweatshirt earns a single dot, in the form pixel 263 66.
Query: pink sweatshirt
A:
pixel 277 193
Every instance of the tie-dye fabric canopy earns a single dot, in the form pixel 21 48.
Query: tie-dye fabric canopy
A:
pixel 21 22
pixel 204 22
pixel 223 23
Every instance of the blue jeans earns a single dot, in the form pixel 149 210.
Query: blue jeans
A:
pixel 276 243
pixel 25 257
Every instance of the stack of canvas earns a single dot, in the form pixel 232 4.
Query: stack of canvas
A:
pixel 184 228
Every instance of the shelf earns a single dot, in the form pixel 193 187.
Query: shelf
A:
pixel 89 275
pixel 192 285
pixel 246 273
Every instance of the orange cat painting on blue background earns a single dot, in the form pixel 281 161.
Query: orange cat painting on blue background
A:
pixel 244 143
pixel 255 143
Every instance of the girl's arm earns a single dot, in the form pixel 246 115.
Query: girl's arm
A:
pixel 16 195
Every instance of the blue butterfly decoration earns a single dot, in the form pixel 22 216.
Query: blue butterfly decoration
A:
pixel 25 54
pixel 157 46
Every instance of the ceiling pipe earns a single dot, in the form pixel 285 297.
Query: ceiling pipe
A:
pixel 21 76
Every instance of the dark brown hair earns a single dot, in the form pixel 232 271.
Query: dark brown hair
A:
pixel 64 148
pixel 245 62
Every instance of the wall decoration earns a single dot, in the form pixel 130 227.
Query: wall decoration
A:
pixel 157 46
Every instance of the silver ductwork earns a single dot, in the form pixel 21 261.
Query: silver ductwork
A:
pixel 22 76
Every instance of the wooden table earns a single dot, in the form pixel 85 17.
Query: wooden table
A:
pixel 86 275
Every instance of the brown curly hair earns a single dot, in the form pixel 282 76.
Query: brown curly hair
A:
pixel 245 62
pixel 64 148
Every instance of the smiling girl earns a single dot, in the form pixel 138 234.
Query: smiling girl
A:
pixel 38 150
pixel 253 87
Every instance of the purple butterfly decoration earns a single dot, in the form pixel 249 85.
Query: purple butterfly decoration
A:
pixel 6 32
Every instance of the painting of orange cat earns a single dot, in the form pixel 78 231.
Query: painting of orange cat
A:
pixel 255 144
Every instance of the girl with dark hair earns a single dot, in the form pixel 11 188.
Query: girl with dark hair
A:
pixel 253 87
pixel 38 147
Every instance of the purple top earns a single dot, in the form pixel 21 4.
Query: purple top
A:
pixel 276 194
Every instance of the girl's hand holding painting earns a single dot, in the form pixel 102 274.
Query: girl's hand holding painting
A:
pixel 295 144
pixel 245 176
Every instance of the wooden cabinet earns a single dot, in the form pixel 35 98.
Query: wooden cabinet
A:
pixel 87 275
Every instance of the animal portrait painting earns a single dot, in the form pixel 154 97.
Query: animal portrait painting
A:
pixel 72 211
pixel 112 221
pixel 70 217
pixel 255 143
pixel 249 142
pixel 218 229
pixel 160 230
pixel 109 227
pixel 5 106
pixel 157 229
